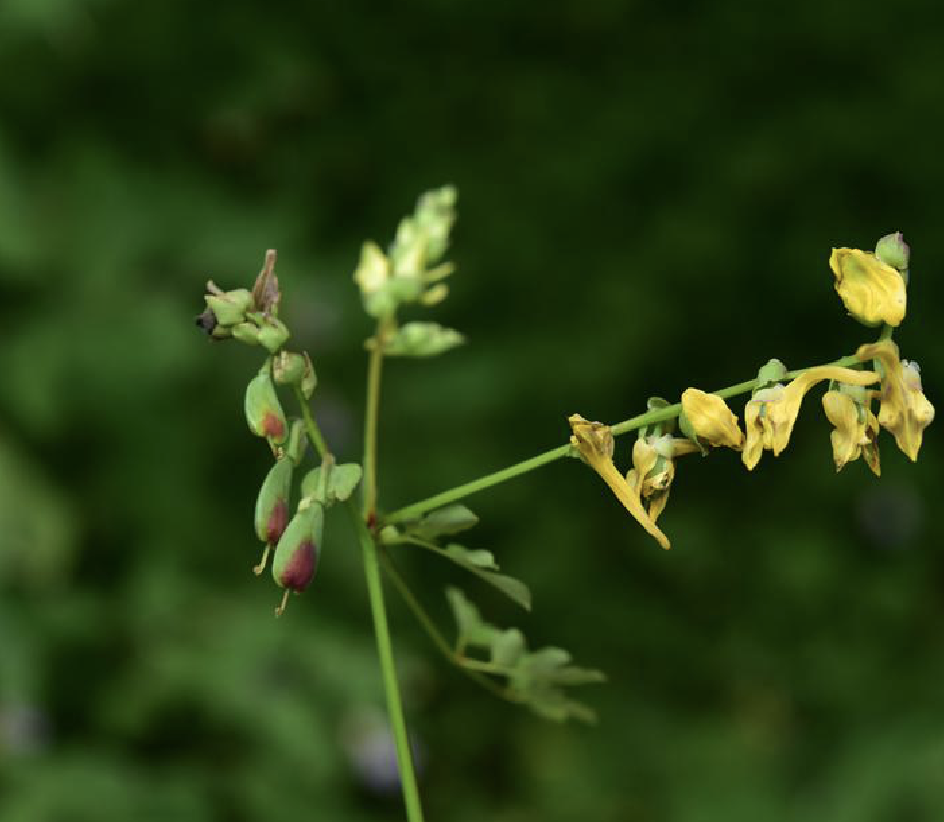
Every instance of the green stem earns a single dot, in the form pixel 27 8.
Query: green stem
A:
pixel 435 635
pixel 417 509
pixel 408 785
pixel 374 369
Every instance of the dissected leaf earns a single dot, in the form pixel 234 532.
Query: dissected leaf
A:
pixel 473 630
pixel 482 564
pixel 507 648
pixel 342 480
pixel 450 519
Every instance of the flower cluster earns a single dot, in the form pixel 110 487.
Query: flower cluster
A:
pixel 872 286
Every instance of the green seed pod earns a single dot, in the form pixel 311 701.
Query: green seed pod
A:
pixel 273 334
pixel 229 307
pixel 297 442
pixel 263 411
pixel 288 367
pixel 272 504
pixel 246 332
pixel 296 556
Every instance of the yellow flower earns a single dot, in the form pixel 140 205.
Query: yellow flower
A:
pixel 770 414
pixel 856 428
pixel 594 442
pixel 711 419
pixel 872 291
pixel 653 469
pixel 905 411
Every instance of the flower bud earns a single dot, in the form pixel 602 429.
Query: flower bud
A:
pixel 706 417
pixel 872 291
pixel 296 556
pixel 893 250
pixel 273 334
pixel 263 411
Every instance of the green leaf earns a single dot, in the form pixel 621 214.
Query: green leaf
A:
pixel 342 480
pixel 422 339
pixel 473 630
pixel 507 648
pixel 482 564
pixel 443 521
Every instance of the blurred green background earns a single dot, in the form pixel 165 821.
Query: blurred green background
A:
pixel 648 196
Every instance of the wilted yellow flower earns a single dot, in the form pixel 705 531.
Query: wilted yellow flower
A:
pixel 872 291
pixel 856 429
pixel 905 411
pixel 770 414
pixel 711 419
pixel 594 442
pixel 653 469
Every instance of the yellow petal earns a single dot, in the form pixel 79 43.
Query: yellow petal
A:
pixel 711 418
pixel 847 440
pixel 594 442
pixel 872 291
pixel 905 411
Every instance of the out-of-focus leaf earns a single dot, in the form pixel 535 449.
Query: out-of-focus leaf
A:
pixel 450 519
pixel 422 339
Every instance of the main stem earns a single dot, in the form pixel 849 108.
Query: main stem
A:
pixel 408 785
pixel 417 509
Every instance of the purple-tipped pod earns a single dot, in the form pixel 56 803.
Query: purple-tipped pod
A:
pixel 272 507
pixel 263 411
pixel 296 556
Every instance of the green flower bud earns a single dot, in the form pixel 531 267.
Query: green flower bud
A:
pixel 263 411
pixel 297 442
pixel 773 371
pixel 296 556
pixel 273 334
pixel 893 250
pixel 288 367
pixel 229 307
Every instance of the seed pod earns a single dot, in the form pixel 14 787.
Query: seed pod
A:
pixel 263 411
pixel 273 334
pixel 272 504
pixel 296 556
pixel 229 307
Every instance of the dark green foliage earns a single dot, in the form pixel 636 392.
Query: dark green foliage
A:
pixel 638 183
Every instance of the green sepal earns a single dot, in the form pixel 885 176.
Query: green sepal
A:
pixel 657 428
pixel 296 556
pixel 297 443
pixel 894 251
pixel 273 501
pixel 263 411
